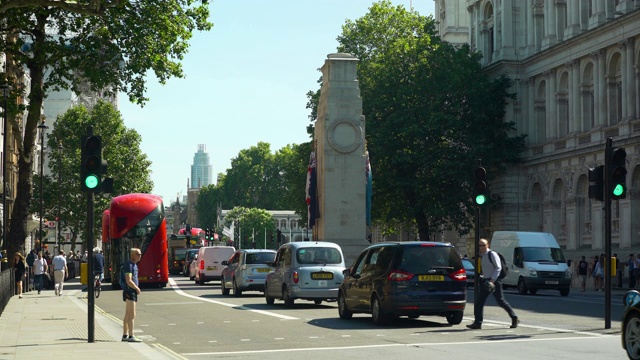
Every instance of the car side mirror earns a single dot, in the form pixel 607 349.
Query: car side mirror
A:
pixel 346 272
pixel 271 263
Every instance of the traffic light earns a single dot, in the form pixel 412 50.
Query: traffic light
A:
pixel 206 234
pixel 596 183
pixel 618 174
pixel 92 165
pixel 481 194
pixel 279 236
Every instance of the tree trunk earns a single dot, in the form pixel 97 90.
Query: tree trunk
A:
pixel 17 234
pixel 423 227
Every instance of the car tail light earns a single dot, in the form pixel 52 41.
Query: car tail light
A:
pixel 460 275
pixel 201 264
pixel 399 275
pixel 295 277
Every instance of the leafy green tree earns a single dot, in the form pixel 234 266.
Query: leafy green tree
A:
pixel 111 53
pixel 431 112
pixel 127 165
pixel 252 181
pixel 207 205
pixel 251 224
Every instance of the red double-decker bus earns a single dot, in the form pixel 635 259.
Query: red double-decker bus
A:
pixel 137 221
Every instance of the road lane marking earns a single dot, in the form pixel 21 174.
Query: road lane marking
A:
pixel 379 346
pixel 177 289
pixel 541 328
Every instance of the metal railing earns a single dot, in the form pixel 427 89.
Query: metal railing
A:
pixel 7 287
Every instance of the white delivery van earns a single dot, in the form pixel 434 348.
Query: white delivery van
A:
pixel 210 260
pixel 535 261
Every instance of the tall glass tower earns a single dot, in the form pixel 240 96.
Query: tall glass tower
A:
pixel 201 171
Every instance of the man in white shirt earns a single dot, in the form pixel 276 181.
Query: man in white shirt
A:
pixel 39 269
pixel 60 271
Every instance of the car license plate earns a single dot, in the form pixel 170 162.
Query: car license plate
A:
pixel 551 282
pixel 263 270
pixel 209 268
pixel 322 276
pixel 431 277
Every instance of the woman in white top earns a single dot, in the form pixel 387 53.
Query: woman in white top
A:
pixel 40 267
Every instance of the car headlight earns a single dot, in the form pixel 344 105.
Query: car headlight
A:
pixel 533 272
pixel 567 273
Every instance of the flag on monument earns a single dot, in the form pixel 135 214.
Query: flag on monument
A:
pixel 311 191
pixel 369 179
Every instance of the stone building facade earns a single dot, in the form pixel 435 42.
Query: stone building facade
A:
pixel 575 69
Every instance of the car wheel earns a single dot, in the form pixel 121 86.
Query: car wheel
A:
pixel 225 290
pixel 522 288
pixel 533 291
pixel 343 311
pixel 270 300
pixel 632 336
pixel 564 292
pixel 317 302
pixel 413 316
pixel 379 316
pixel 288 300
pixel 236 291
pixel 454 317
pixel 201 280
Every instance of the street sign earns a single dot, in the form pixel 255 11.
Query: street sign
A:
pixel 51 224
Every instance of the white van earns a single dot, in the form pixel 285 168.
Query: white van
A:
pixel 535 261
pixel 209 266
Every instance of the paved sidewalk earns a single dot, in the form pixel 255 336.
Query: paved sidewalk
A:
pixel 42 326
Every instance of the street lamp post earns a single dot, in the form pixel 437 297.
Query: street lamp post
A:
pixel 59 222
pixel 6 90
pixel 42 128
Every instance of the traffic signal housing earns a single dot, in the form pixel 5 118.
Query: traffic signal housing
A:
pixel 92 166
pixel 596 183
pixel 481 189
pixel 617 174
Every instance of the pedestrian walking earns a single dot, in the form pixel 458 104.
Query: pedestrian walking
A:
pixel 583 271
pixel 489 283
pixel 60 271
pixel 20 266
pixel 40 268
pixel 632 276
pixel 130 294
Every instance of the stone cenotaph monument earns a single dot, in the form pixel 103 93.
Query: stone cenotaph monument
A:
pixel 340 158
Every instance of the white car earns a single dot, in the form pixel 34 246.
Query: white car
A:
pixel 209 262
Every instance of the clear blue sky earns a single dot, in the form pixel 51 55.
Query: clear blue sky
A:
pixel 246 82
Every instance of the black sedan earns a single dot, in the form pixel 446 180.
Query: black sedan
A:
pixel 631 325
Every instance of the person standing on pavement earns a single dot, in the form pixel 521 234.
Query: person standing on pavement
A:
pixel 489 283
pixel 40 268
pixel 60 271
pixel 130 294
pixel 20 266
pixel 583 272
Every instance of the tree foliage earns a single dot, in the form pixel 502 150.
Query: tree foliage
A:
pixel 431 113
pixel 127 165
pixel 252 224
pixel 108 52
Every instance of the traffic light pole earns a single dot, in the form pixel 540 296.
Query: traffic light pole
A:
pixel 476 251
pixel 607 233
pixel 90 283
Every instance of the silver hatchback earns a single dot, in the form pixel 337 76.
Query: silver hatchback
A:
pixel 305 270
pixel 246 270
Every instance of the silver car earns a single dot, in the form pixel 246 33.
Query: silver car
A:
pixel 305 270
pixel 246 270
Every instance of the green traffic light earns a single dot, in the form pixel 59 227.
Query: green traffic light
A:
pixel 618 190
pixel 91 181
pixel 481 199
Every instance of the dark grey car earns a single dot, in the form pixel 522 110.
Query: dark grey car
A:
pixel 405 279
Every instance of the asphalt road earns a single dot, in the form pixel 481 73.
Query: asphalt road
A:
pixel 194 322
